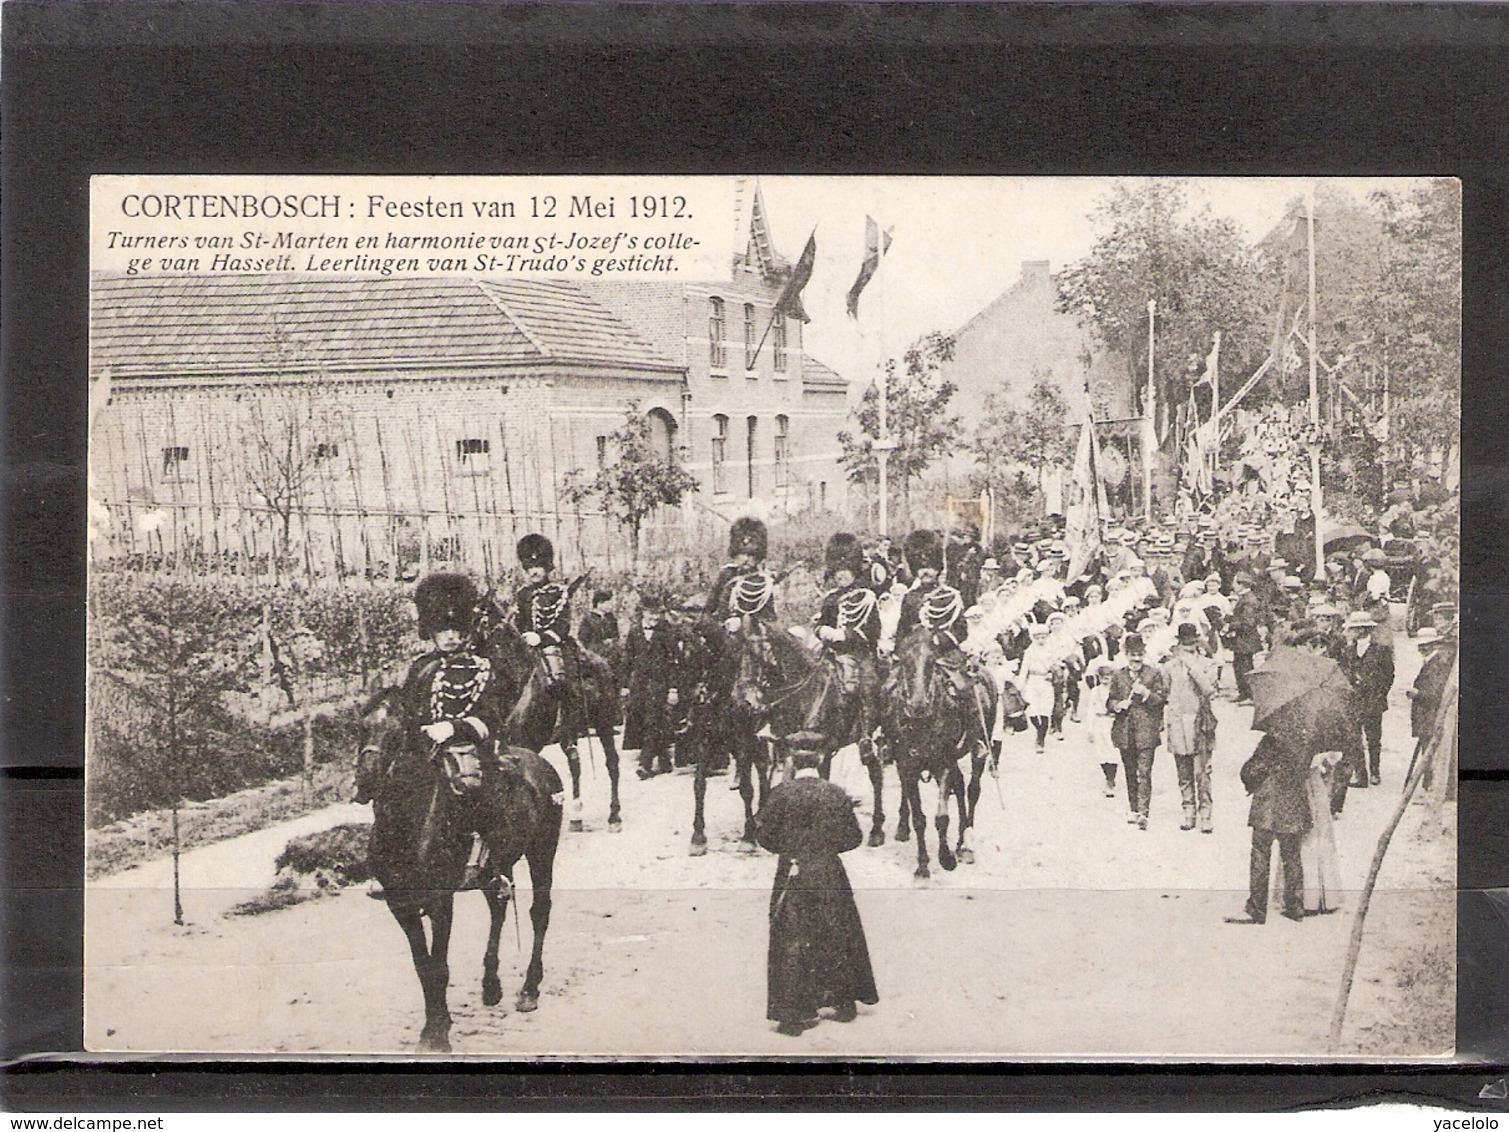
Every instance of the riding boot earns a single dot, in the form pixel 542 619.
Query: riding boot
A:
pixel 1109 770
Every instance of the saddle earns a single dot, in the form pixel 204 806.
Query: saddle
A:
pixel 848 672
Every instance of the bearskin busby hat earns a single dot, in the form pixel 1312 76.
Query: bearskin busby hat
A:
pixel 923 550
pixel 445 601
pixel 748 536
pixel 844 553
pixel 536 550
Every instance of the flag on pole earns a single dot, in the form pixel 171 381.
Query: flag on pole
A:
pixel 877 243
pixel 1085 505
pixel 790 302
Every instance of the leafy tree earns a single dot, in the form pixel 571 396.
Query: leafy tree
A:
pixel 1421 331
pixel 1197 268
pixel 175 649
pixel 917 417
pixel 637 482
pixel 1008 439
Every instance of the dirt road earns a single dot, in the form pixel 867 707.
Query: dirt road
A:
pixel 1073 934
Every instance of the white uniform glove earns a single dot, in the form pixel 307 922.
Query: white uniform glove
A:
pixel 830 633
pixel 532 640
pixel 732 624
pixel 439 732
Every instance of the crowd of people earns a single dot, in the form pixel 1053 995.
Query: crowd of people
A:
pixel 1126 657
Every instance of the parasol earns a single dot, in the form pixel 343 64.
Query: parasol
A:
pixel 1303 700
pixel 1347 537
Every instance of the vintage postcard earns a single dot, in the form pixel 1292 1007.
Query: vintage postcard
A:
pixel 773 617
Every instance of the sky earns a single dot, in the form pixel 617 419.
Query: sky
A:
pixel 959 242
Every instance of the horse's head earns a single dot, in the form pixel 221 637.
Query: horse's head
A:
pixel 382 740
pixel 913 675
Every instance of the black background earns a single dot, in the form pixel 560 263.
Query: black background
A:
pixel 481 89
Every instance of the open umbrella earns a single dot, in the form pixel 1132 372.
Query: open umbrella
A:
pixel 1347 537
pixel 1303 700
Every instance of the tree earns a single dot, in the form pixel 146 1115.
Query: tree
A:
pixel 175 649
pixel 1422 301
pixel 1037 437
pixel 287 439
pixel 638 481
pixel 917 418
pixel 1198 270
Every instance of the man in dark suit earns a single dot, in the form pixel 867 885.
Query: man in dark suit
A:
pixel 818 957
pixel 650 656
pixel 1245 633
pixel 1275 775
pixel 1135 698
pixel 1370 667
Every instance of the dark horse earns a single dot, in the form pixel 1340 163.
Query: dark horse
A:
pixel 729 716
pixel 802 698
pixel 426 807
pixel 928 725
pixel 541 713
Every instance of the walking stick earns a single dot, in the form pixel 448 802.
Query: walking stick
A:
pixel 1354 946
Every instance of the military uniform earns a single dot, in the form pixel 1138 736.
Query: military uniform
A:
pixel 457 687
pixel 849 621
pixel 939 609
pixel 744 590
pixel 544 609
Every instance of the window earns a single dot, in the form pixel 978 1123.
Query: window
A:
pixel 720 454
pixel 472 455
pixel 174 461
pixel 326 451
pixel 602 452
pixel 717 333
pixel 778 340
pixel 782 452
pixel 752 427
pixel 750 338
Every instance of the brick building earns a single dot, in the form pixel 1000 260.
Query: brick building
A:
pixel 372 424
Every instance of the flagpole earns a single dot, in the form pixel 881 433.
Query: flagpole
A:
pixel 1215 412
pixel 883 443
pixel 1316 501
pixel 1151 408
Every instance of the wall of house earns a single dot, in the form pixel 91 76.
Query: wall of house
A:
pixel 384 470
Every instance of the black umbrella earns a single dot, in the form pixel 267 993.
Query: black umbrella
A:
pixel 1303 700
pixel 1347 537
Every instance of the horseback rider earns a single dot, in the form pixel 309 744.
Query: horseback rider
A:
pixel 542 615
pixel 938 608
pixel 849 621
pixel 450 698
pixel 745 588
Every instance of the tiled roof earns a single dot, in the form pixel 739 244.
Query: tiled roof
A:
pixel 198 324
pixel 815 373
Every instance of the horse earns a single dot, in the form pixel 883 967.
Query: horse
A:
pixel 427 805
pixel 541 714
pixel 727 718
pixel 929 728
pixel 803 700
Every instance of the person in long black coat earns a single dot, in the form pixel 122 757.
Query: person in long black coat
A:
pixel 818 956
pixel 650 656
pixel 1275 774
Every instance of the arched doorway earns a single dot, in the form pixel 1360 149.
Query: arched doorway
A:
pixel 663 435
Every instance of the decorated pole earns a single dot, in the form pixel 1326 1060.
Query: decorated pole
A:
pixel 1316 500
pixel 1150 408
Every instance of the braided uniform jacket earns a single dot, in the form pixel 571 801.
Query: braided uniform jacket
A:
pixel 855 610
pixel 917 601
pixel 545 609
pixel 457 687
pixel 738 593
